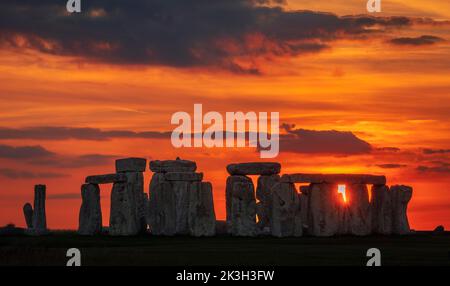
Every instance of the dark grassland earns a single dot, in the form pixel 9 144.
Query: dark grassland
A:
pixel 422 248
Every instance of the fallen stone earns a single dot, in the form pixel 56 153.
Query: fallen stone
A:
pixel 401 195
pixel 28 214
pixel 358 219
pixel 381 209
pixel 90 218
pixel 173 166
pixel 334 179
pixel 106 179
pixel 256 168
pixel 439 230
pixel 202 218
pixel 286 216
pixel 325 210
pixel 243 209
pixel 131 165
pixel 183 176
pixel 39 216
pixel 264 195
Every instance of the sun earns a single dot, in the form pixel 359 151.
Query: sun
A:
pixel 341 190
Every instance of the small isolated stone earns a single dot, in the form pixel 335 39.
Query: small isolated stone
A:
pixel 39 216
pixel 401 195
pixel 106 179
pixel 28 213
pixel 439 229
pixel 131 165
pixel 256 168
pixel 177 165
pixel 183 176
pixel 90 218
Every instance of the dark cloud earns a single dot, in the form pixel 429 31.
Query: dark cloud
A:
pixel 179 33
pixel 75 162
pixel 391 166
pixel 23 174
pixel 324 142
pixel 388 149
pixel 11 152
pixel 433 169
pixel 435 151
pixel 418 41
pixel 64 133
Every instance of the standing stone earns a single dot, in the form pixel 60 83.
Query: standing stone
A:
pixel 303 197
pixel 401 195
pixel 90 219
pixel 286 216
pixel 123 221
pixel 181 191
pixel 163 209
pixel 358 220
pixel 231 180
pixel 264 195
pixel 157 178
pixel 243 209
pixel 325 210
pixel 39 217
pixel 201 219
pixel 28 213
pixel 135 185
pixel 381 208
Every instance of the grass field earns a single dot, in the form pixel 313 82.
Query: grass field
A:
pixel 422 248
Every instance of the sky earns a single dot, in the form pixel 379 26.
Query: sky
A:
pixel 356 92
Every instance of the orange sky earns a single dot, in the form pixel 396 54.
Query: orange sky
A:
pixel 387 95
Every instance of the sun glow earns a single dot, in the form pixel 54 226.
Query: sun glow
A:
pixel 341 190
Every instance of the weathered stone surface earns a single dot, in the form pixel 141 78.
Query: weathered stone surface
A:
pixel 401 195
pixel 162 207
pixel 173 166
pixel 90 218
pixel 255 168
pixel 228 195
pixel 325 210
pixel 381 209
pixel 286 216
pixel 243 209
pixel 183 176
pixel 106 179
pixel 181 191
pixel 334 178
pixel 264 195
pixel 127 201
pixel 202 218
pixel 39 216
pixel 131 165
pixel 358 219
pixel 303 197
pixel 28 214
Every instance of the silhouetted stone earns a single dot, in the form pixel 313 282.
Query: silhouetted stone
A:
pixel 172 166
pixel 131 165
pixel 90 218
pixel 286 218
pixel 303 197
pixel 127 201
pixel 264 195
pixel 106 179
pixel 243 209
pixel 325 210
pixel 39 216
pixel 201 219
pixel 157 178
pixel 163 208
pixel 358 220
pixel 334 178
pixel 28 214
pixel 439 230
pixel 401 195
pixel 183 176
pixel 181 190
pixel 381 208
pixel 255 168
pixel 228 195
